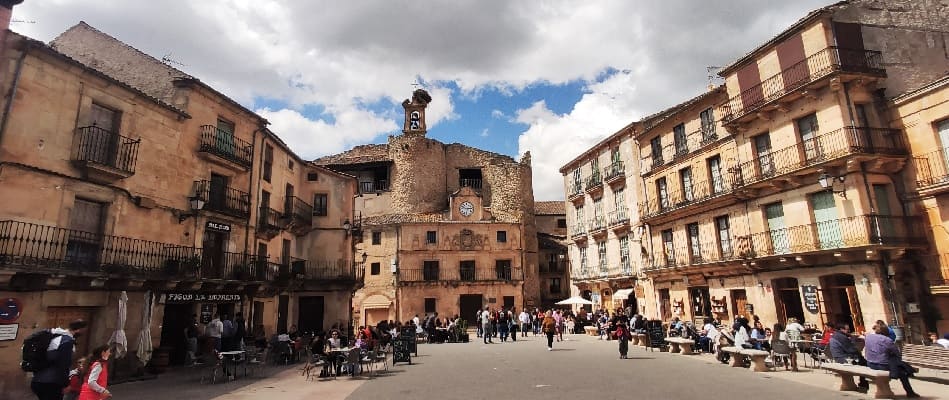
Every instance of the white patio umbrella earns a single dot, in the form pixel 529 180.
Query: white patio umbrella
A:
pixel 575 300
pixel 144 351
pixel 118 341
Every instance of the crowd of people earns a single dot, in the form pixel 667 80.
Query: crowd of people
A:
pixel 61 376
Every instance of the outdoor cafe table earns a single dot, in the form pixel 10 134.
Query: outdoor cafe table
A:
pixel 231 358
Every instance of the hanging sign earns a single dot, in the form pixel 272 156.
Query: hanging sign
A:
pixel 217 226
pixel 8 332
pixel 178 297
pixel 810 298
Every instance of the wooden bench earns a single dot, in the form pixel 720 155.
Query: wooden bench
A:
pixel 926 356
pixel 757 358
pixel 591 330
pixel 680 345
pixel 880 379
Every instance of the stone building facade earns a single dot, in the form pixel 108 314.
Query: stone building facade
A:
pixel 553 264
pixel 798 197
pixel 122 175
pixel 444 228
pixel 602 193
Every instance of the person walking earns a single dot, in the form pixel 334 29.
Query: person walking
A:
pixel 525 320
pixel 478 318
pixel 215 330
pixel 486 325
pixel 883 355
pixel 622 335
pixel 512 323
pixel 94 387
pixel 549 326
pixel 191 338
pixel 48 383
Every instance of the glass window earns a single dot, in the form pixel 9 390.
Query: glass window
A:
pixel 430 270
pixel 624 255
pixel 685 175
pixel 377 238
pixel 667 247
pixel 430 305
pixel 715 172
pixel 374 268
pixel 502 236
pixel 724 236
pixel 695 248
pixel 431 237
pixel 319 204
pixel 681 141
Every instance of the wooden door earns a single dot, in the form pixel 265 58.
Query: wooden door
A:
pixel 779 234
pixel 225 136
pixel 886 228
pixel 825 218
pixel 85 224
pixel 739 302
pixel 60 317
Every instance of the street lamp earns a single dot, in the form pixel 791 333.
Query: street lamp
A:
pixel 829 182
pixel 196 203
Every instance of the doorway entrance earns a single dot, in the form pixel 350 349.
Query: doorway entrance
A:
pixel 701 305
pixel 468 305
pixel 310 318
pixel 665 305
pixel 173 325
pixel 213 246
pixel 283 308
pixel 62 316
pixel 840 301
pixel 739 302
pixel 787 300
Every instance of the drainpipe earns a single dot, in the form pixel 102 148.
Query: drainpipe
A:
pixel 250 188
pixel 12 93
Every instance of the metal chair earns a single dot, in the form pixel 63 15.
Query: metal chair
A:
pixel 380 356
pixel 780 350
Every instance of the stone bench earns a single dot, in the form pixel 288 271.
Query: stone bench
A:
pixel 680 345
pixel 591 330
pixel 757 358
pixel 641 339
pixel 880 379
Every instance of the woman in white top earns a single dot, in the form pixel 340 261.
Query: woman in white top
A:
pixel 783 335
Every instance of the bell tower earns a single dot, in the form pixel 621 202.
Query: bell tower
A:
pixel 415 112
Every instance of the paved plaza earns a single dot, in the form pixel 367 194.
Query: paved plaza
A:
pixel 581 367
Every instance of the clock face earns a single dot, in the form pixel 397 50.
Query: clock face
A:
pixel 466 208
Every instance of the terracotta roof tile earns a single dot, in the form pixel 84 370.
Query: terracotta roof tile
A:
pixel 550 208
pixel 362 154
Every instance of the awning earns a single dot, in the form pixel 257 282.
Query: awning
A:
pixel 376 301
pixel 622 294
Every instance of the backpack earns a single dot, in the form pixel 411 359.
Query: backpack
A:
pixel 34 351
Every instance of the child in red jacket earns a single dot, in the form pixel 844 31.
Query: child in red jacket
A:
pixel 71 392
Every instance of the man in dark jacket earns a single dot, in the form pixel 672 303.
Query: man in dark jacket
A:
pixel 48 383
pixel 842 348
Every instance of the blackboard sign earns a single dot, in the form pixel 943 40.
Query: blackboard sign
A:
pixel 810 298
pixel 657 335
pixel 205 313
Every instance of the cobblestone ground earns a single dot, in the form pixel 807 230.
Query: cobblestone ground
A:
pixel 581 367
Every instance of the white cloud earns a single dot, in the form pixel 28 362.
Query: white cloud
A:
pixel 497 114
pixel 344 55
pixel 485 133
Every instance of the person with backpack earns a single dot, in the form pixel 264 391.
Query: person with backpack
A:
pixel 48 354
pixel 94 385
pixel 622 335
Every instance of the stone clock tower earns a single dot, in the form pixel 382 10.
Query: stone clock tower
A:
pixel 415 112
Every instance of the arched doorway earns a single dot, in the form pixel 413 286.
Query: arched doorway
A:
pixel 787 300
pixel 841 304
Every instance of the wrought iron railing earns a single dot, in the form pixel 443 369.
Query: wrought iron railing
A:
pixel 332 270
pixel 269 219
pixel 692 254
pixel 820 149
pixel 857 231
pixel 472 183
pixel 298 211
pixel 937 266
pixel 373 186
pixel 42 247
pixel 680 197
pixel 618 217
pixel 479 274
pixel 615 170
pixel 223 199
pixel 576 190
pixel 579 231
pixel 224 144
pixel 675 151
pixel 594 181
pixel 931 168
pixel 106 148
pixel 597 223
pixel 823 63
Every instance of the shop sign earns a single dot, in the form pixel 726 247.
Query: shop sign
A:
pixel 217 226
pixel 810 298
pixel 178 297
pixel 750 309
pixel 8 332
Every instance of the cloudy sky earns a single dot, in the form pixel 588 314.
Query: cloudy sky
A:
pixel 551 77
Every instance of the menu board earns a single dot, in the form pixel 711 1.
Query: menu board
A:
pixel 810 298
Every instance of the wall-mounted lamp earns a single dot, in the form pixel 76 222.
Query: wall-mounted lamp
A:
pixel 196 203
pixel 761 285
pixel 865 281
pixel 640 231
pixel 833 183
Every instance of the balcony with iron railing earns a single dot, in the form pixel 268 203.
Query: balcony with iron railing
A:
pixel 332 270
pixel 884 146
pixel 618 219
pixel 456 274
pixel 298 214
pixel 932 174
pixel 851 232
pixel 223 199
pixel 594 183
pixel 472 183
pixel 373 186
pixel 674 152
pixel 579 232
pixel 105 156
pixel 223 147
pixel 615 172
pixel 597 225
pixel 699 194
pixel 576 194
pixel 269 222
pixel 806 74
pixel 695 254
